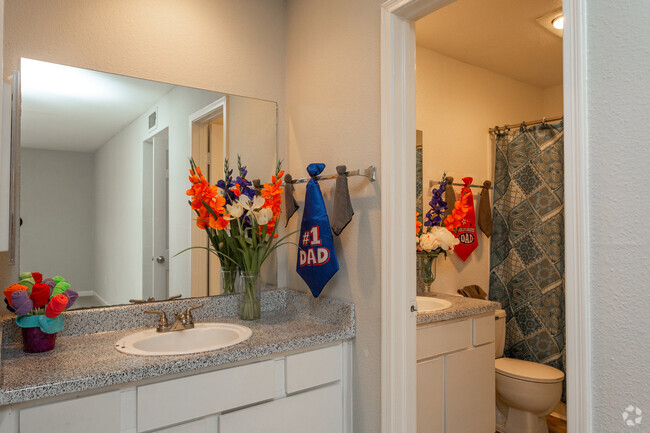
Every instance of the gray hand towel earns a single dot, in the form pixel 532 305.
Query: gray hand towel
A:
pixel 450 197
pixel 342 205
pixel 485 210
pixel 290 205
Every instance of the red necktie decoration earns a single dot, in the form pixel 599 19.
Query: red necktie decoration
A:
pixel 462 222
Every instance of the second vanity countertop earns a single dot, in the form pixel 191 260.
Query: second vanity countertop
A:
pixel 291 321
pixel 460 307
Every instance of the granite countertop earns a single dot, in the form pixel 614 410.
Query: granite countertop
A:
pixel 81 362
pixel 460 307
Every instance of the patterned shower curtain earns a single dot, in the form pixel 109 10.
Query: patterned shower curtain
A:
pixel 527 244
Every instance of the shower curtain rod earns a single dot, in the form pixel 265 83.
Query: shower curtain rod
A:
pixel 533 122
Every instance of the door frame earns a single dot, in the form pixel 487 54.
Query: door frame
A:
pixel 202 116
pixel 398 320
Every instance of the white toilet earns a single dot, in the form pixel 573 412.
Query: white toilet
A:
pixel 526 391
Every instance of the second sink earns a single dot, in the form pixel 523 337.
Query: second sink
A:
pixel 202 338
pixel 429 305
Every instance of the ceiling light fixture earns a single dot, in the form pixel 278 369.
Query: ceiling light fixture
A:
pixel 553 21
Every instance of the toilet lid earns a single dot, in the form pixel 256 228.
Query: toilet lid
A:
pixel 528 371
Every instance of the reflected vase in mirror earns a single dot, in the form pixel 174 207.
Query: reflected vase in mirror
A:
pixel 249 287
pixel 426 269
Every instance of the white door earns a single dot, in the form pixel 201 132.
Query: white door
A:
pixel 155 227
pixel 160 196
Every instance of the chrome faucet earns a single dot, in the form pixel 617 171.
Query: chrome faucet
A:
pixel 183 321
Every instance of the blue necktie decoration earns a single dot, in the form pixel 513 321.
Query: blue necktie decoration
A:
pixel 316 256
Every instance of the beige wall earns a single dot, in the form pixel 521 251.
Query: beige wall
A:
pixel 333 110
pixel 221 45
pixel 553 101
pixel 456 104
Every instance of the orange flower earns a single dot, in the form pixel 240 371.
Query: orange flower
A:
pixel 206 200
pixel 220 223
pixel 272 194
pixel 461 207
pixel 418 224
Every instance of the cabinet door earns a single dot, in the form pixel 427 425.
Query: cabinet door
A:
pixel 431 396
pixel 317 411
pixel 180 400
pixel 98 414
pixel 470 390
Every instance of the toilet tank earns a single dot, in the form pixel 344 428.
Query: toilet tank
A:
pixel 499 333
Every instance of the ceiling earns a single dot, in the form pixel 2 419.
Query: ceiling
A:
pixel 72 109
pixel 502 36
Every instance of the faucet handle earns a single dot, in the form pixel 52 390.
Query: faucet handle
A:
pixel 188 313
pixel 163 324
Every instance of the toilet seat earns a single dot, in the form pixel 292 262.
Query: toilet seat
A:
pixel 527 371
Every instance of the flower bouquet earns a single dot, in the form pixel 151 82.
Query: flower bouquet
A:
pixel 39 303
pixel 433 240
pixel 241 226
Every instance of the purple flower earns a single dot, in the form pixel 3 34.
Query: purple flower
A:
pixel 438 205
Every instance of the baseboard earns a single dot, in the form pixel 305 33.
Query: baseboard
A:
pixel 92 293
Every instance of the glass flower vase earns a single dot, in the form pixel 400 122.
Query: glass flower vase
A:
pixel 426 270
pixel 227 278
pixel 249 287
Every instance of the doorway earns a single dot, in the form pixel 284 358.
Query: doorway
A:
pixel 209 149
pixel 155 227
pixel 398 256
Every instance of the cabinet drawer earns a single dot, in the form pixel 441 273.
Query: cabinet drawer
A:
pixel 314 368
pixel 483 330
pixel 97 414
pixel 179 400
pixel 434 340
pixel 316 411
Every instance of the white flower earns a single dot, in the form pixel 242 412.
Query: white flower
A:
pixel 245 202
pixel 258 202
pixel 428 242
pixel 437 238
pixel 446 239
pixel 236 210
pixel 264 216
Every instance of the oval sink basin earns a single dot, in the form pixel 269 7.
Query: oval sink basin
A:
pixel 429 305
pixel 202 338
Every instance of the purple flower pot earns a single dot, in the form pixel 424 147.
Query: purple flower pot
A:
pixel 35 340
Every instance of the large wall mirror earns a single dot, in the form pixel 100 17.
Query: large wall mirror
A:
pixel 104 162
